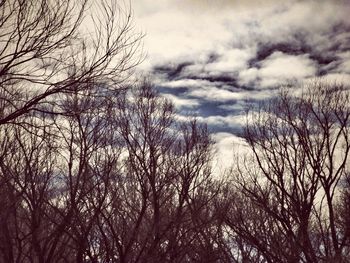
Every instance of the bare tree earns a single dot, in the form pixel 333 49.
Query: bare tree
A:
pixel 26 175
pixel 62 57
pixel 159 205
pixel 116 179
pixel 52 47
pixel 301 146
pixel 57 178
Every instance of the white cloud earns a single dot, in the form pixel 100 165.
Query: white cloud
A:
pixel 227 146
pixel 214 93
pixel 231 61
pixel 248 76
pixel 230 121
pixel 172 33
pixel 188 83
pixel 280 68
pixel 181 102
pixel 302 17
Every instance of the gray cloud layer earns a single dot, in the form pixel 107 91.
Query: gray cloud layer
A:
pixel 210 57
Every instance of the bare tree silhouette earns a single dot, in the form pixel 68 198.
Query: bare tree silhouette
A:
pixel 286 198
pixel 53 47
pixel 115 180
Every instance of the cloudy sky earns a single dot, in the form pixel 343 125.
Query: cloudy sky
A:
pixel 210 57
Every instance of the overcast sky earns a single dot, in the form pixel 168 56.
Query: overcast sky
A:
pixel 211 56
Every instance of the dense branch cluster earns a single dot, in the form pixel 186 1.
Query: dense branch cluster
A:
pixel 116 181
pixel 97 169
pixel 52 47
pixel 296 187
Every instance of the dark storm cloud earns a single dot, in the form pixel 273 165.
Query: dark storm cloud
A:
pixel 172 71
